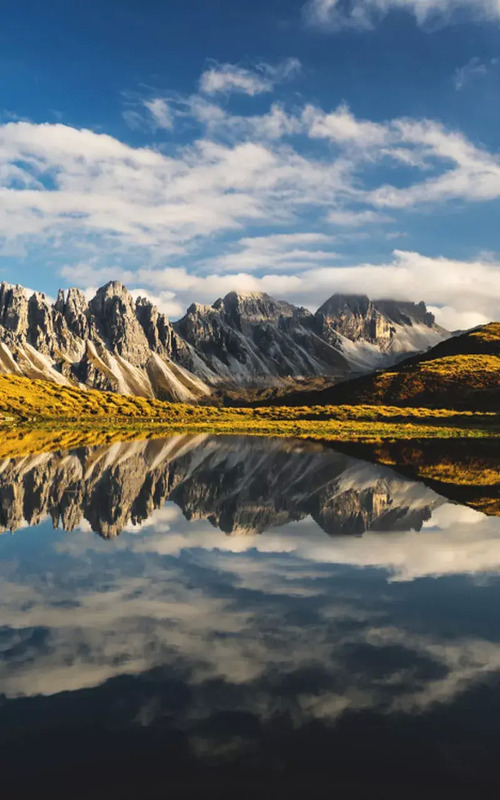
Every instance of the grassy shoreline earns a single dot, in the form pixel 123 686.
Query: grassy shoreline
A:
pixel 23 437
pixel 38 414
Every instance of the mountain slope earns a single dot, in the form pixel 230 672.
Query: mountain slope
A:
pixel 463 372
pixel 252 337
pixel 117 343
pixel 110 343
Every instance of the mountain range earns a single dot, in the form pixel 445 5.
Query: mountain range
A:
pixel 243 341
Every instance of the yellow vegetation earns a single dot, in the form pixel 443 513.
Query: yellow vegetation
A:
pixel 489 334
pixel 46 416
pixel 451 374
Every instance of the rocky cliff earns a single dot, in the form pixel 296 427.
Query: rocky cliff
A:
pixel 118 343
pixel 243 486
pixel 112 343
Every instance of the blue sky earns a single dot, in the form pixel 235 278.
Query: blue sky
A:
pixel 298 148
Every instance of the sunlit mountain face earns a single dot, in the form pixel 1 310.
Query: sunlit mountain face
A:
pixel 255 616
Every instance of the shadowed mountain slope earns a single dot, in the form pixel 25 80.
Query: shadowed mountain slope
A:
pixel 462 372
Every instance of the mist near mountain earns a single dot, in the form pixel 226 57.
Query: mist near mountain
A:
pixel 462 372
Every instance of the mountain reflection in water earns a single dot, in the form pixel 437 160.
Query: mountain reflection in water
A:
pixel 241 485
pixel 179 661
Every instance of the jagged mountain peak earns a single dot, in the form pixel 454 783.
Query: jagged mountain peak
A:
pixel 72 296
pixel 5 286
pixel 200 308
pixel 404 312
pixel 113 289
pixel 254 307
pixel 355 303
pixel 396 327
pixel 121 343
pixel 241 295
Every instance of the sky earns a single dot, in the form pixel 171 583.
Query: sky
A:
pixel 298 147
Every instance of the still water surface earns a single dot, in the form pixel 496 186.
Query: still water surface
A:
pixel 247 617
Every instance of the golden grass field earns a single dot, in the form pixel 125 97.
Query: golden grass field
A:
pixel 43 415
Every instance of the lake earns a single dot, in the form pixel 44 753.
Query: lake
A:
pixel 245 617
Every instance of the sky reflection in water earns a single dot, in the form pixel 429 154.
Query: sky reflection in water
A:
pixel 344 622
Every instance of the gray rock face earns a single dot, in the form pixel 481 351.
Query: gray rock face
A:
pixel 242 337
pixel 108 343
pixel 75 311
pixel 247 337
pixel 13 309
pixel 116 343
pixel 113 310
pixel 358 318
pixel 243 486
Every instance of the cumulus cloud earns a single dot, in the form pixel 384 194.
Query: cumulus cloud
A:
pixel 108 210
pixel 461 293
pixel 356 219
pixel 365 14
pixel 84 182
pixel 284 251
pixel 161 112
pixel 341 126
pixel 226 78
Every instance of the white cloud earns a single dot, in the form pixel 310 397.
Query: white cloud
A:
pixel 161 112
pixel 285 251
pixel 341 126
pixel 226 78
pixel 364 14
pixel 474 69
pixel 356 218
pixel 275 124
pixel 454 320
pixel 164 301
pixel 462 293
pixel 82 182
pixel 110 210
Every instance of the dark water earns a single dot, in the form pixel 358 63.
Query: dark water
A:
pixel 243 617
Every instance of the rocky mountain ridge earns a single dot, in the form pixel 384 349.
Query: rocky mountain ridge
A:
pixel 118 343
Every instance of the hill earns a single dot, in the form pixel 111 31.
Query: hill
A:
pixel 460 373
